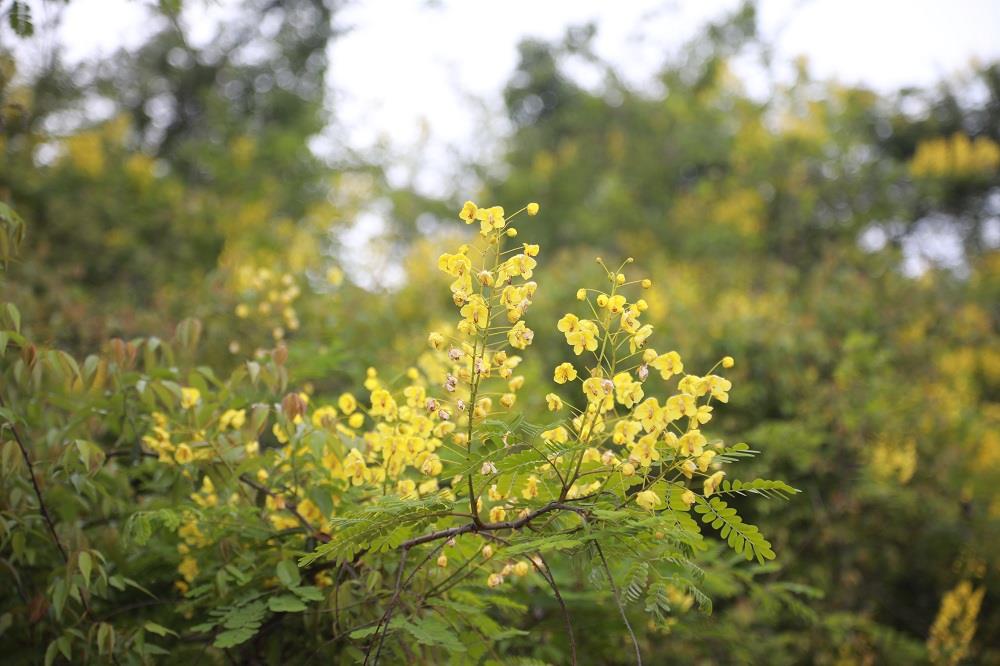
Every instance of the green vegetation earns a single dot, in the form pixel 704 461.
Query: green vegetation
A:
pixel 219 442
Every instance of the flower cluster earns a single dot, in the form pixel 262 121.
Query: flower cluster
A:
pixel 625 433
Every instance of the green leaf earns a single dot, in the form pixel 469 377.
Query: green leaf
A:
pixel 288 573
pixel 20 19
pixel 158 629
pixel 431 631
pixel 86 566
pixel 308 593
pixel 742 537
pixel 15 316
pixel 234 637
pixel 286 603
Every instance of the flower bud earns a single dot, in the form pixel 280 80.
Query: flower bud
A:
pixel 293 405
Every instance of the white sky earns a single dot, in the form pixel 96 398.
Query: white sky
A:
pixel 412 70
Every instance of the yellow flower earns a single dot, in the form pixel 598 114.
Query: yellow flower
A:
pixel 520 336
pixel 355 468
pixel 668 364
pixel 597 390
pixel 630 320
pixel 625 431
pixel 616 304
pixel 188 568
pixel 476 311
pixel 324 417
pixel 531 250
pixel 650 414
pixel 530 490
pixel 648 500
pixel 522 569
pixel 508 400
pixel 712 483
pixel 406 488
pixel 490 219
pixel 688 497
pixel 680 405
pixel 518 265
pixel 356 420
pixel 189 397
pixel 347 403
pixel 442 560
pixel 584 337
pixel 279 433
pixel 568 324
pixel 559 435
pixel 383 405
pixel 719 387
pixel 232 418
pixel 564 372
pixel 728 362
pixel 456 265
pixel 627 392
pixel 435 340
pixel 183 455
pixel 693 385
pixel 432 465
pixel 704 460
pixel 532 209
pixel 644 452
pixel 638 339
pixel 692 443
pixel 468 212
pixel 497 514
pixel 494 580
pixel 553 402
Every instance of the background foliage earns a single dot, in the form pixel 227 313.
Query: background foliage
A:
pixel 185 233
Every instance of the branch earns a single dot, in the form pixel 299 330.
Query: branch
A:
pixel 387 617
pixel 38 492
pixel 546 572
pixel 618 601
pixel 289 506
pixel 490 527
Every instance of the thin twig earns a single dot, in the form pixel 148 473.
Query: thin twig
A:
pixel 38 492
pixel 289 506
pixel 546 572
pixel 387 617
pixel 618 601
pixel 490 527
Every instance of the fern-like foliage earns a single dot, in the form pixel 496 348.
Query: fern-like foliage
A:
pixel 763 487
pixel 377 527
pixel 742 537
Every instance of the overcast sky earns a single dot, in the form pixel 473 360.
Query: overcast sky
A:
pixel 410 68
